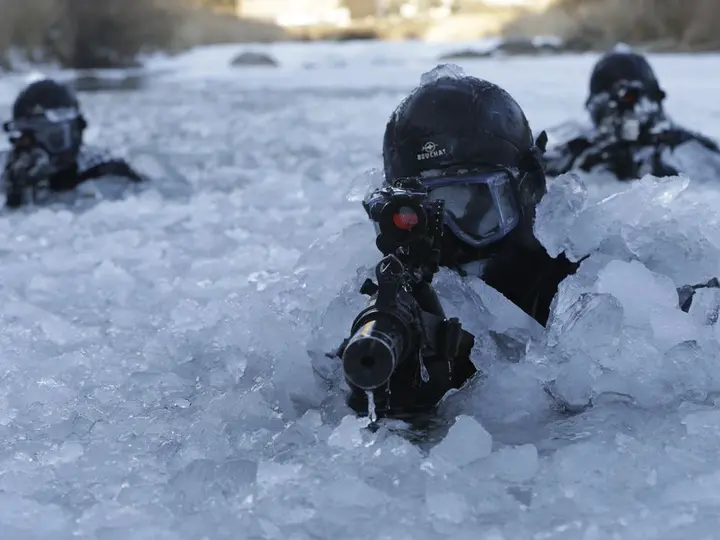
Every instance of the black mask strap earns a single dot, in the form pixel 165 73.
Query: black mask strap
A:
pixel 532 170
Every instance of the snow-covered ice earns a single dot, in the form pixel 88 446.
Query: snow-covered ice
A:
pixel 157 356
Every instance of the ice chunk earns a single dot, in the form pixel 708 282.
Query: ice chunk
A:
pixel 190 315
pixel 114 516
pixel 703 423
pixel 513 464
pixel 202 480
pixel 647 299
pixel 146 532
pixel 364 184
pixel 158 167
pixel 507 316
pixel 324 268
pixel 301 433
pixel 35 520
pixel 565 199
pixel 113 281
pixel 466 442
pixel 55 328
pixel 624 337
pixel 272 474
pixel 686 253
pixel 499 326
pixel 66 452
pixel 34 76
pixel 700 490
pixel 350 493
pixel 621 47
pixel 452 71
pixel 447 506
pixel 348 434
pixel 691 370
pixel 576 383
pixel 603 224
pixel 593 320
pixel 697 162
pixel 705 307
pixel 635 287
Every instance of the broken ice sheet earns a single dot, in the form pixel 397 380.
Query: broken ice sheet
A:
pixel 364 184
pixel 467 441
pixel 578 227
pixel 565 199
pixel 349 434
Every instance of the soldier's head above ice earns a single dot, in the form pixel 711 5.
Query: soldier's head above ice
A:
pixel 48 155
pixel 464 146
pixel 630 135
pixel 623 83
pixel 471 144
pixel 46 115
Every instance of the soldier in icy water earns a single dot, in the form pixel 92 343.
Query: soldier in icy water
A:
pixel 630 135
pixel 466 142
pixel 47 154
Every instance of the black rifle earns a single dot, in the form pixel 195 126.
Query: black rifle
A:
pixel 27 173
pixel 622 133
pixel 403 327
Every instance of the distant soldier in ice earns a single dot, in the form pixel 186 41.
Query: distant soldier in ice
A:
pixel 47 155
pixel 469 144
pixel 630 134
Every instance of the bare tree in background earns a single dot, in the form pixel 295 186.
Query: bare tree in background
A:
pixel 687 23
pixel 108 33
pixel 87 34
pixel 23 24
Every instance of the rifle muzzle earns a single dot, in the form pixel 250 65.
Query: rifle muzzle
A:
pixel 374 352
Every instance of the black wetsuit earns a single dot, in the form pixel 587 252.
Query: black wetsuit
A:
pixel 91 164
pixel 626 160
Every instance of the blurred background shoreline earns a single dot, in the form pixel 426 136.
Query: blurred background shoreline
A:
pixel 87 34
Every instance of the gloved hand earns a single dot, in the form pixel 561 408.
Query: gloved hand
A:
pixel 30 165
pixel 27 168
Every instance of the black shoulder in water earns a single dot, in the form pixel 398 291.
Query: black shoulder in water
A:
pixel 685 135
pixel 115 167
pixel 95 164
pixel 529 279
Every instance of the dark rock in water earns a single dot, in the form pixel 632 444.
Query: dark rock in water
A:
pixel 509 47
pixel 90 82
pixel 250 58
pixel 467 54
pixel 521 46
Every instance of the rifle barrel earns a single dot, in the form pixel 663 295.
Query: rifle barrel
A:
pixel 373 353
